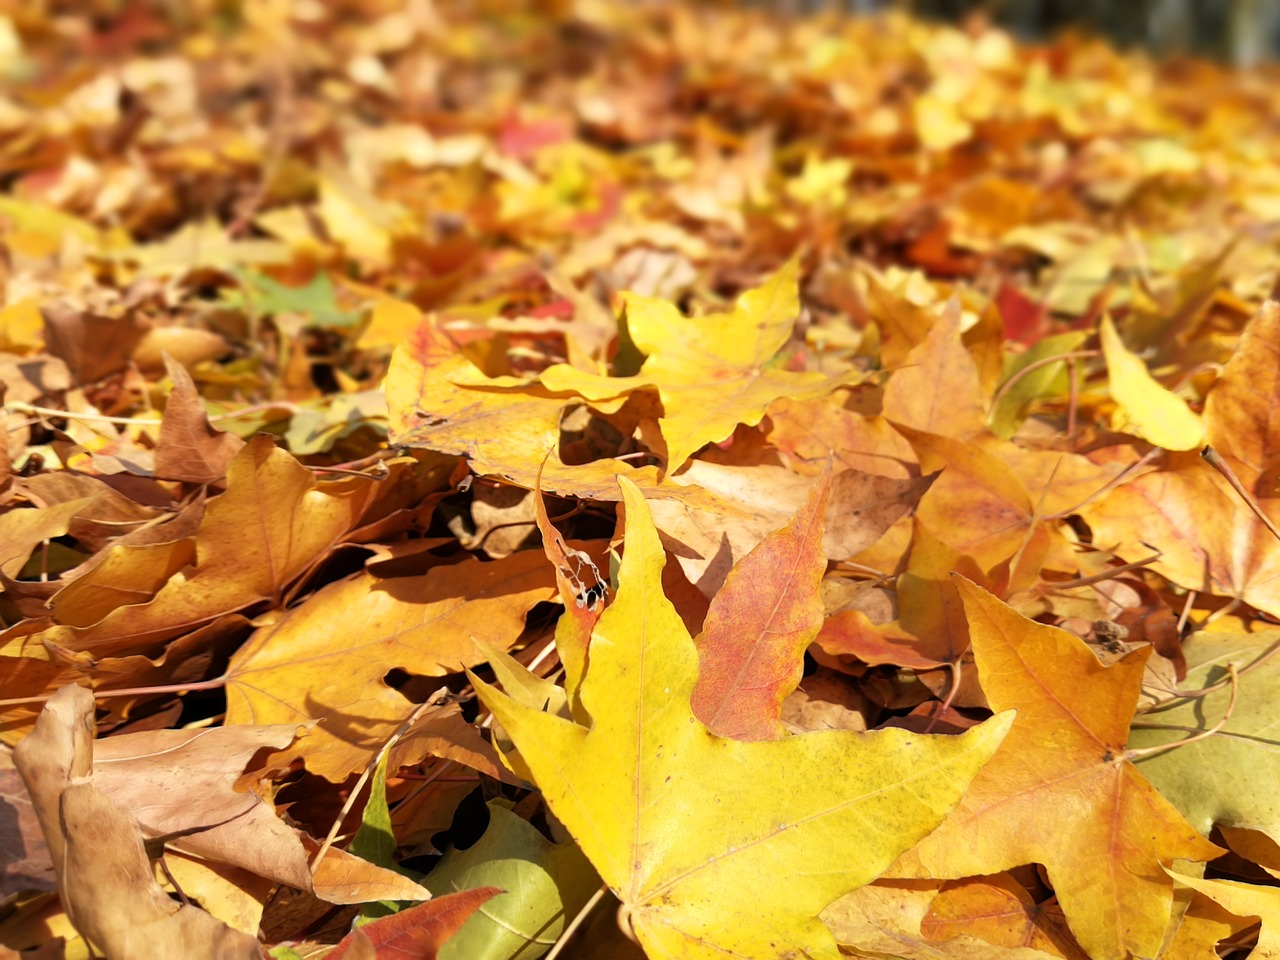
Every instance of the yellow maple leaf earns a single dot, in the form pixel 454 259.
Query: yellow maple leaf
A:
pixel 711 373
pixel 1061 790
pixel 1145 407
pixel 684 826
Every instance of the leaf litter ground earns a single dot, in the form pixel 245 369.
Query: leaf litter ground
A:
pixel 610 480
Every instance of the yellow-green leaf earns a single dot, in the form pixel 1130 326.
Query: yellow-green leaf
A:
pixel 1145 408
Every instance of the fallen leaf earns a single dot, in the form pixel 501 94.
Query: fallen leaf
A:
pixel 701 899
pixel 937 389
pixel 97 849
pixel 708 543
pixel 1227 777
pixel 419 932
pixel 326 659
pixel 751 650
pixel 92 345
pixel 1066 753
pixel 582 590
pixel 188 447
pixel 546 883
pixel 1204 924
pixel 341 877
pixel 1231 553
pixel 1145 407
pixel 808 435
pixel 998 910
pixel 273 523
pixel 24 855
pixel 885 918
pixel 504 428
pixel 104 853
pixel 182 783
pixel 1244 900
pixel 711 373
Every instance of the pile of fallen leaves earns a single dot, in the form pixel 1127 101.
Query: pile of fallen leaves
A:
pixel 596 479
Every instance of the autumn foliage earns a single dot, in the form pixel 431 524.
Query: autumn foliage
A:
pixel 607 480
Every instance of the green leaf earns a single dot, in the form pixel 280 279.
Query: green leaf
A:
pixel 375 841
pixel 1049 380
pixel 546 883
pixel 315 299
pixel 1230 777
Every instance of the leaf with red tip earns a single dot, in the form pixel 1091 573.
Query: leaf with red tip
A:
pixel 419 932
pixel 582 590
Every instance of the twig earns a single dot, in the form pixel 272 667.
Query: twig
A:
pixel 213 684
pixel 164 868
pixel 1032 367
pixel 1053 586
pixel 380 471
pixel 1253 664
pixel 1214 459
pixel 1234 679
pixel 954 667
pixel 364 778
pixel 17 406
pixel 1111 484
pixel 1186 611
pixel 576 922
pixel 1220 612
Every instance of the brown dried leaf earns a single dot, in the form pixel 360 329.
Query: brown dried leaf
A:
pixel 189 447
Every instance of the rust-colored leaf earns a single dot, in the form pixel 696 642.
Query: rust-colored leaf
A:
pixel 751 649
pixel 419 932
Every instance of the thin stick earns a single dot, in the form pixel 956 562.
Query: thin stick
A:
pixel 1073 396
pixel 1053 586
pixel 1214 459
pixel 164 868
pixel 381 471
pixel 213 684
pixel 364 778
pixel 863 568
pixel 432 778
pixel 1220 612
pixel 1036 516
pixel 1032 367
pixel 576 922
pixel 17 406
pixel 1253 664
pixel 1186 610
pixel 1111 484
pixel 941 712
pixel 421 783
pixel 1203 734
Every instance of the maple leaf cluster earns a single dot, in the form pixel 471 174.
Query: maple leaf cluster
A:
pixel 474 473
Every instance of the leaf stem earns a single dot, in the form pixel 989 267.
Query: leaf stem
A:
pixel 1186 611
pixel 17 406
pixel 954 667
pixel 1215 460
pixel 364 778
pixel 576 922
pixel 213 684
pixel 1032 367
pixel 1052 586
pixel 1234 679
pixel 1111 484
pixel 1253 664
